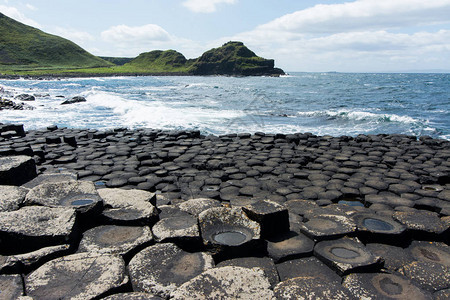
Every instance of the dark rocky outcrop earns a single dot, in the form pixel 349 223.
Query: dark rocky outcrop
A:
pixel 233 58
pixel 74 100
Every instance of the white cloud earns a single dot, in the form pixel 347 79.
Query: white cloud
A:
pixel 14 13
pixel 363 35
pixel 362 14
pixel 125 34
pixel 74 35
pixel 205 6
pixel 30 7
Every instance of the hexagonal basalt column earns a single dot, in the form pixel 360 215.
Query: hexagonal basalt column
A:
pixel 77 276
pixel 161 268
pixel 34 227
pixel 11 286
pixel 373 228
pixel 112 239
pixel 226 283
pixel 383 286
pixel 346 255
pixel 289 246
pixel 182 228
pixel 325 227
pixel 271 216
pixel 422 224
pixel 229 229
pixel 80 195
pixel 16 170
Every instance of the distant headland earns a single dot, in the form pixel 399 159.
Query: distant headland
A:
pixel 27 51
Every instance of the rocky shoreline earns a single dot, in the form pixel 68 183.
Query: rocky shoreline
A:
pixel 151 214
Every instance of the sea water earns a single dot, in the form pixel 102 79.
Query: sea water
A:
pixel 321 103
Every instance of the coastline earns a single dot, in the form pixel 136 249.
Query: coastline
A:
pixel 382 198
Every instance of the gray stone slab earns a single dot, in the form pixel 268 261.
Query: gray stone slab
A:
pixel 161 268
pixel 80 195
pixel 11 197
pixel 383 286
pixel 133 296
pixel 264 263
pixel 346 255
pixel 16 170
pixel 11 286
pixel 428 275
pixel 31 260
pixel 128 207
pixel 176 228
pixel 226 283
pixel 394 257
pixel 50 177
pixel 115 239
pixel 310 288
pixel 198 205
pixel 34 227
pixel 272 217
pixel 289 246
pixel 77 276
pixel 327 226
pixel 307 267
pixel 421 222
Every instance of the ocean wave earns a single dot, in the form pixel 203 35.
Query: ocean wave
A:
pixel 359 116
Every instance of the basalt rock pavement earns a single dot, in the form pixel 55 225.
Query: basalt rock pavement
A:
pixel 152 214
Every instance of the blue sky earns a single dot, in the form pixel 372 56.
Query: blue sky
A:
pixel 322 35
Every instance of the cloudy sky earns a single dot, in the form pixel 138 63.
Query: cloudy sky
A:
pixel 307 35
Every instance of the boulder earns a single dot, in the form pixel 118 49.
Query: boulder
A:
pixel 271 216
pixel 11 197
pixel 25 97
pixel 73 100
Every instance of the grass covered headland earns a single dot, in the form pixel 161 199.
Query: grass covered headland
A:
pixel 25 50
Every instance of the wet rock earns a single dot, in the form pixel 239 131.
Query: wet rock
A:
pixel 11 197
pixel 428 275
pixel 272 217
pixel 289 246
pixel 80 195
pixel 196 206
pixel 50 177
pixel 16 170
pixel 300 207
pixel 11 286
pixel 73 100
pixel 347 255
pixel 430 252
pixel 111 239
pixel 264 263
pixel 161 268
pixel 394 257
pixel 307 267
pixel 228 229
pixel 421 223
pixel 25 97
pixel 324 227
pixel 34 227
pixel 310 288
pixel 128 207
pixel 226 283
pixel 373 227
pixel 182 228
pixel 77 276
pixel 383 286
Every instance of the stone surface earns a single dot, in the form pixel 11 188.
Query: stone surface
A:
pixel 310 288
pixel 421 222
pixel 11 197
pixel 128 207
pixel 31 260
pixel 16 170
pixel 226 283
pixel 346 255
pixel 383 286
pixel 428 275
pixel 264 263
pixel 307 267
pixel 11 286
pixel 374 227
pixel 161 268
pixel 324 227
pixel 80 195
pixel 394 257
pixel 77 276
pixel 33 227
pixel 133 296
pixel 289 246
pixel 272 217
pixel 113 239
pixel 198 205
pixel 178 227
pixel 50 177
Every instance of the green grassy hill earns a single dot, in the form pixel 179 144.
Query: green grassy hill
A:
pixel 160 61
pixel 23 47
